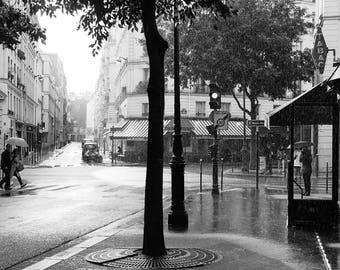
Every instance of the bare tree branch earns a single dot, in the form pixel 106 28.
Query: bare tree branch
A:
pixel 239 104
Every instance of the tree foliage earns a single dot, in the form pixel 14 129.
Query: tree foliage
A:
pixel 254 50
pixel 14 22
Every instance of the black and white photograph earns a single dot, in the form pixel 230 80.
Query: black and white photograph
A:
pixel 169 134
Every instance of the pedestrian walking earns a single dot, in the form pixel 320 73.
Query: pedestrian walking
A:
pixel 297 164
pixel 306 170
pixel 16 167
pixel 6 165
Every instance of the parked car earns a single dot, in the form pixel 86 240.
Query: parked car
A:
pixel 90 152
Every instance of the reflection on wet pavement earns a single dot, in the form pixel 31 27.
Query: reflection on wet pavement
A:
pixel 254 214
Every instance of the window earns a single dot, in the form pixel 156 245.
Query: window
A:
pixel 145 74
pixel 225 107
pixel 145 109
pixel 200 108
pixel 124 90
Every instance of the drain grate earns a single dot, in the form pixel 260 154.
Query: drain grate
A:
pixel 110 254
pixel 175 258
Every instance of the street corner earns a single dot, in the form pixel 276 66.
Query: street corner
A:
pixel 242 252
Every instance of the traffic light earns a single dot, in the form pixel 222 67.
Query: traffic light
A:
pixel 212 150
pixel 215 96
pixel 211 129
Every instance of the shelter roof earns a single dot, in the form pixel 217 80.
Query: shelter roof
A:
pixel 313 107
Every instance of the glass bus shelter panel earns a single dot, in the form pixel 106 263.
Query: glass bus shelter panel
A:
pixel 312 174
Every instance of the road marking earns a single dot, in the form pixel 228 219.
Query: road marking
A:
pixel 105 232
pixel 42 264
pixel 90 242
pixel 67 253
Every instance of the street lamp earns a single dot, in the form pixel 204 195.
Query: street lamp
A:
pixel 111 137
pixel 178 217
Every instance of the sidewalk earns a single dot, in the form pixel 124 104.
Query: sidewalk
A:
pixel 244 226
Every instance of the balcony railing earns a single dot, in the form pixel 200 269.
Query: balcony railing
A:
pixel 200 114
pixel 197 88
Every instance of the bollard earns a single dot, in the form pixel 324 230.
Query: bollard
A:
pixel 326 177
pixel 232 162
pixel 221 174
pixel 200 175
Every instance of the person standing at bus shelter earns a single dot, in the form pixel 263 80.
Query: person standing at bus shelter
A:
pixel 306 170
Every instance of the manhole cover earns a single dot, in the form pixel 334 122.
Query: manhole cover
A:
pixel 174 259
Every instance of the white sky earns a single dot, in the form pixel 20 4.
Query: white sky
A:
pixel 72 46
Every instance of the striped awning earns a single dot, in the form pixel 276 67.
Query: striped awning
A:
pixel 235 129
pixel 135 129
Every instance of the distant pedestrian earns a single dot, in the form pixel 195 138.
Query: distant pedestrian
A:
pixel 306 170
pixel 297 164
pixel 268 152
pixel 6 164
pixel 16 167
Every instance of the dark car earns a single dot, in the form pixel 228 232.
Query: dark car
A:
pixel 90 152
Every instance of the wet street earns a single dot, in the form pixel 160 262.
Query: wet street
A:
pixel 66 198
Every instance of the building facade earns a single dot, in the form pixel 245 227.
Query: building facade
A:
pixel 125 74
pixel 32 97
pixel 53 99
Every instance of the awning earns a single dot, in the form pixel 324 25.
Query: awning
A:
pixel 185 125
pixel 311 108
pixel 135 129
pixel 235 129
pixel 116 126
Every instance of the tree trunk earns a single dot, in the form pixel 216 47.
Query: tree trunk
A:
pixel 153 238
pixel 253 136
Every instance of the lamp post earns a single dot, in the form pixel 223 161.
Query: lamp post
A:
pixel 111 137
pixel 244 150
pixel 178 217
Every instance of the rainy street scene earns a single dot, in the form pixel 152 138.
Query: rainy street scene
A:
pixel 173 134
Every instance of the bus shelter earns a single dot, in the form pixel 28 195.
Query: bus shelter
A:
pixel 317 107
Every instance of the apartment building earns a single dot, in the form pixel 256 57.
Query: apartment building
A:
pixel 53 101
pixel 19 97
pixel 127 110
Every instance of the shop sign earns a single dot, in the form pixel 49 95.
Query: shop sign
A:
pixel 320 51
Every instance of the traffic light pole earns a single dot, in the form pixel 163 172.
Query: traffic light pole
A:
pixel 215 165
